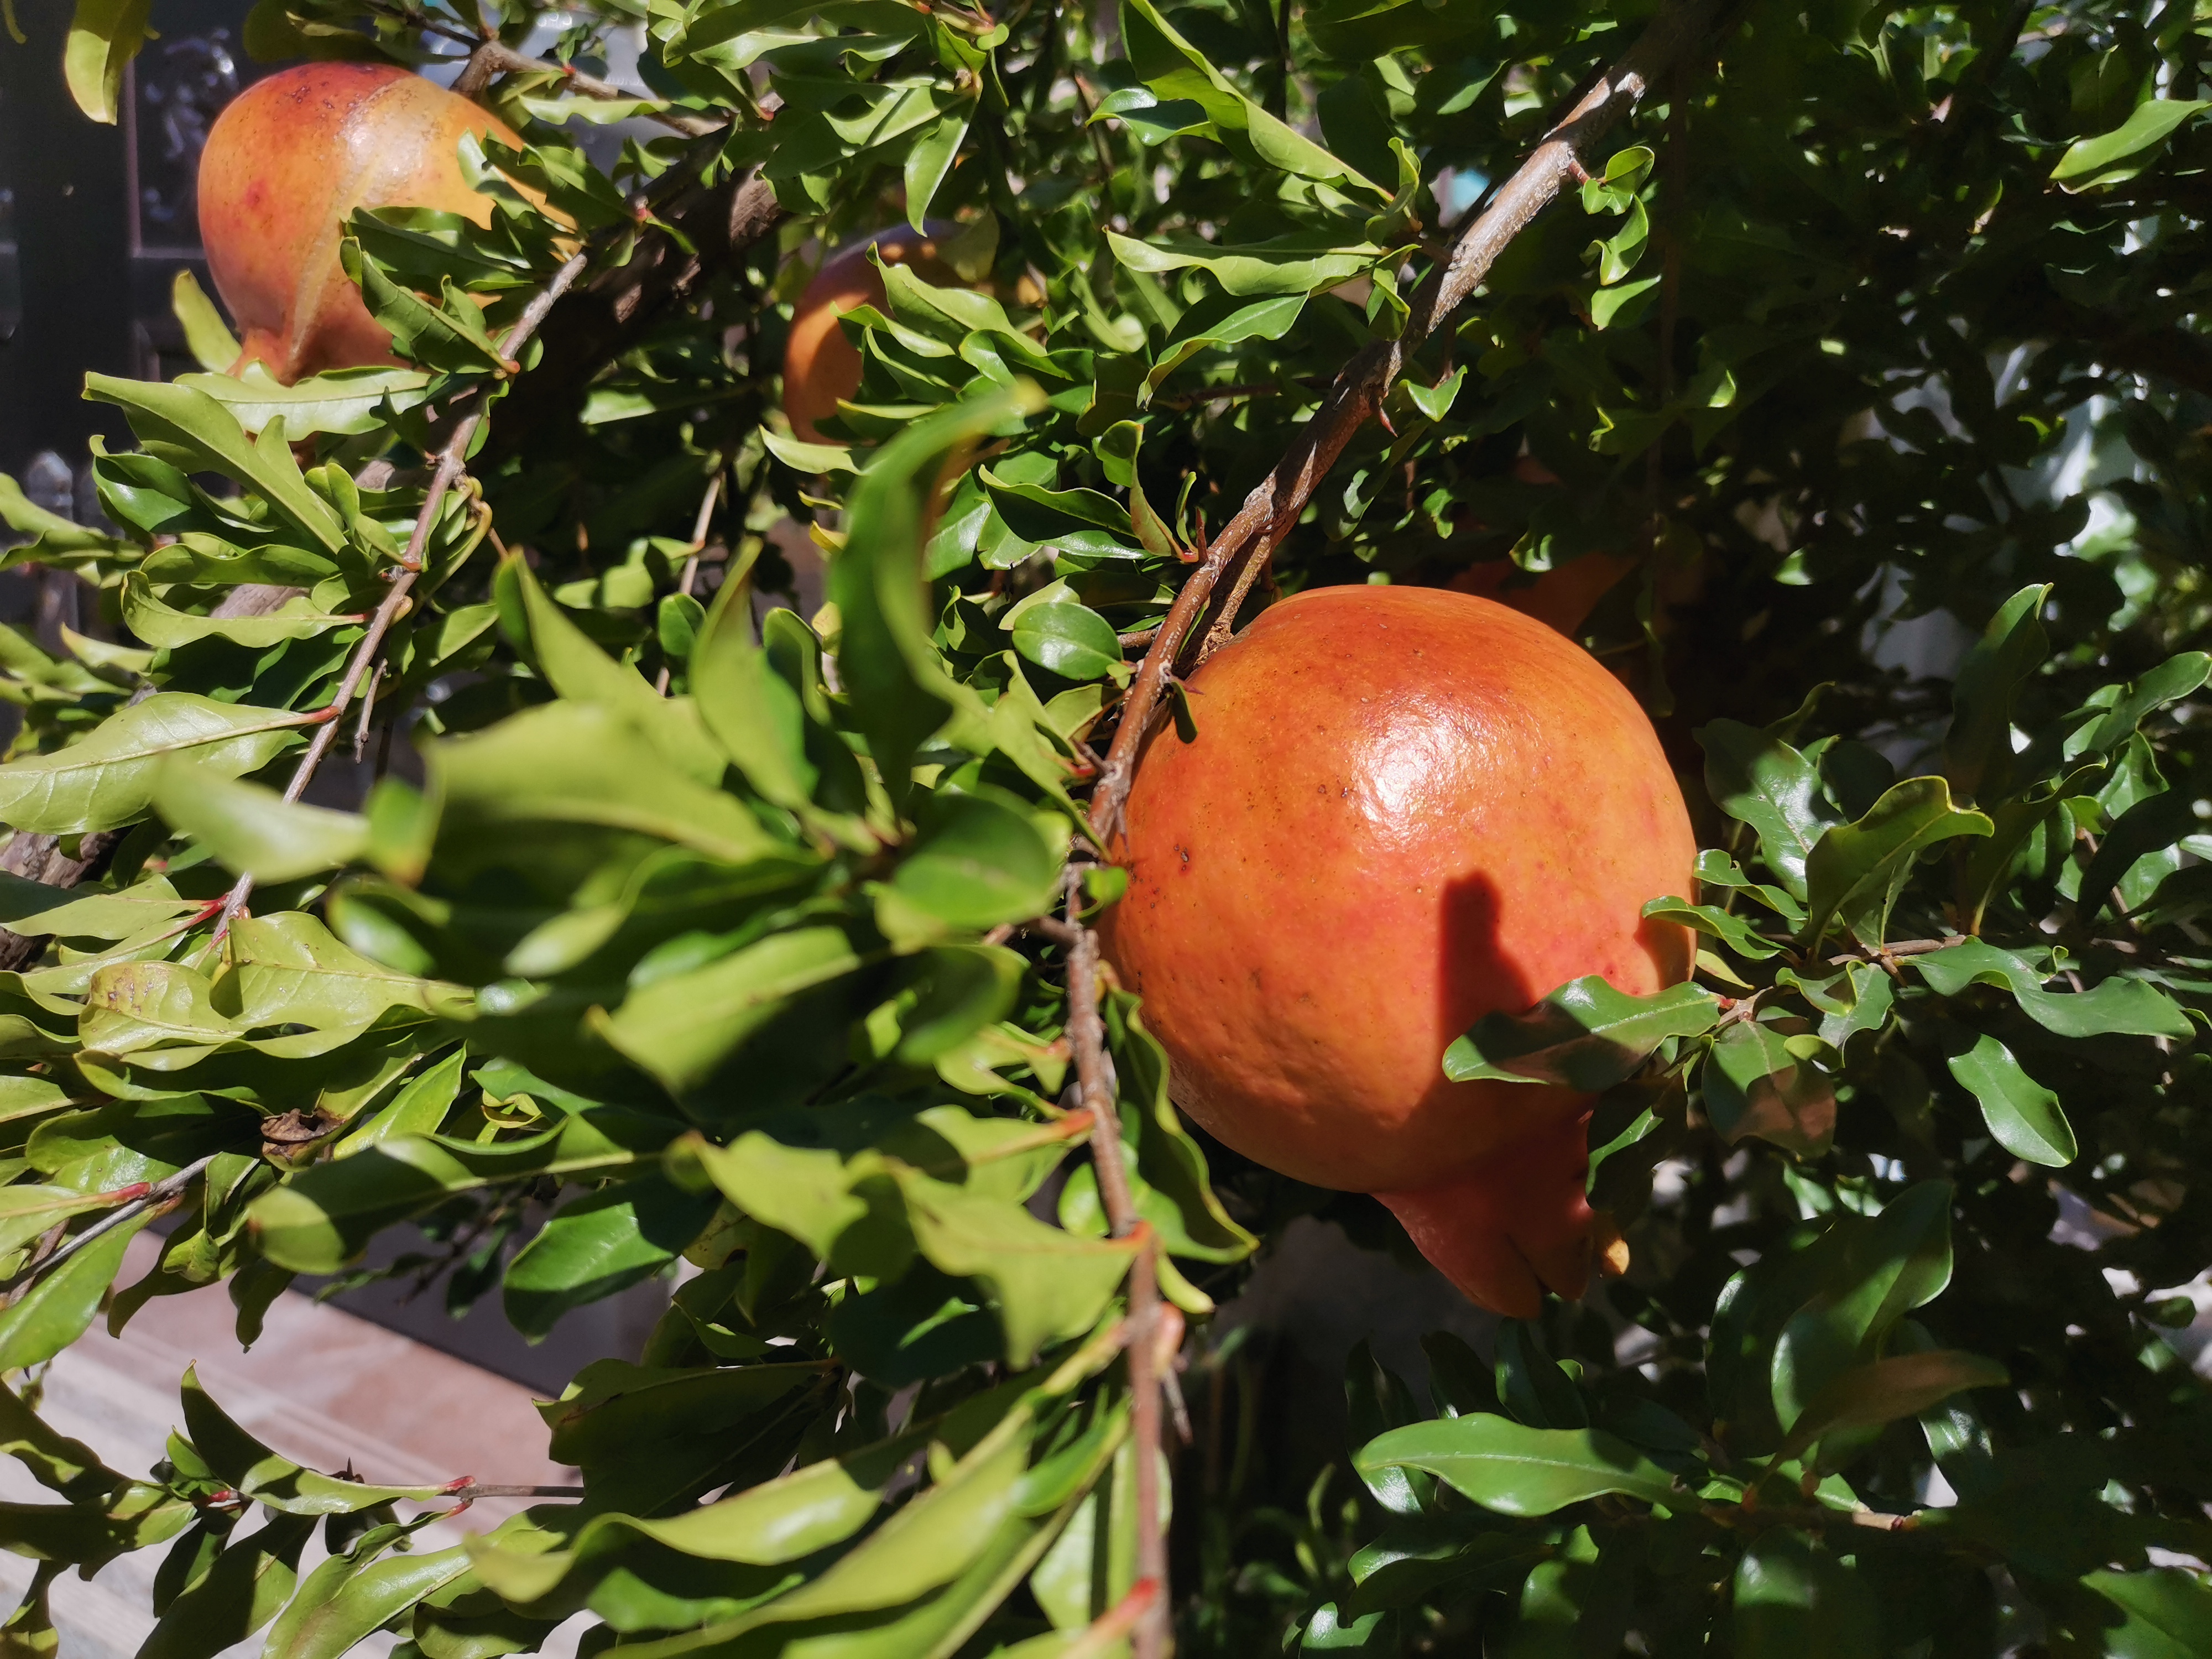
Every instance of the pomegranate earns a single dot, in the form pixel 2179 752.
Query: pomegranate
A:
pixel 1405 808
pixel 286 162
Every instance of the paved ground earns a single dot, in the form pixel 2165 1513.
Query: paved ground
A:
pixel 321 1386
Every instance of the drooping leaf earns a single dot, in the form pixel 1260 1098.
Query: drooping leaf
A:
pixel 1585 1035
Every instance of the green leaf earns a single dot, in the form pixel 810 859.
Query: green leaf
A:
pixel 255 831
pixel 59 1308
pixel 240 1592
pixel 252 1469
pixel 1218 322
pixel 327 1213
pixel 1073 521
pixel 753 712
pixel 28 1632
pixel 1759 779
pixel 1515 1470
pixel 204 434
pixel 2165 1614
pixel 600 1244
pixel 898 686
pixel 419 1108
pixel 682 1028
pixel 2153 824
pixel 350 1597
pixel 1585 1035
pixel 159 625
pixel 1856 869
pixel 1045 1284
pixel 583 673
pixel 1903 1385
pixel 449 337
pixel 576 763
pixel 343 401
pixel 109 776
pixel 104 36
pixel 2152 122
pixel 1978 749
pixel 978 860
pixel 207 337
pixel 1890 1265
pixel 1754 1086
pixel 1072 641
pixel 1302 264
pixel 1793 1600
pixel 2118 1007
pixel 1173 68
pixel 931 159
pixel 2025 1118
pixel 1732 930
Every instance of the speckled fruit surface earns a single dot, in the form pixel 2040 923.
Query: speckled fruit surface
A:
pixel 1406 808
pixel 286 162
pixel 820 365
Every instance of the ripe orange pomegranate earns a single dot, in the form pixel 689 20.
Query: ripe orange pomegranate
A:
pixel 286 162
pixel 820 365
pixel 1405 808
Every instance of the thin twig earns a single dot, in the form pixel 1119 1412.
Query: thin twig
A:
pixel 1111 1627
pixel 453 460
pixel 691 561
pixel 1275 505
pixel 1087 1032
pixel 469 1490
pixel 162 1192
pixel 490 57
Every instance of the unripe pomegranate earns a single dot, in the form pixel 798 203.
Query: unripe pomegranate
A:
pixel 1406 808
pixel 286 162
pixel 820 365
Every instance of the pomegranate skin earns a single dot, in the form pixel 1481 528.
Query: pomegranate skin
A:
pixel 1406 808
pixel 286 162
pixel 821 367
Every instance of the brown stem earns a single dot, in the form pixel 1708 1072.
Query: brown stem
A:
pixel 492 57
pixel 1086 1031
pixel 1275 505
pixel 453 459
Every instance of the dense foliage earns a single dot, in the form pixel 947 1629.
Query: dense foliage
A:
pixel 707 933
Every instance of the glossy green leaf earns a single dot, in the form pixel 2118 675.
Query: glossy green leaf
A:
pixel 598 1244
pixel 1856 869
pixel 110 776
pixel 249 1581
pixel 254 829
pixel 2025 1118
pixel 1757 778
pixel 1884 1391
pixel 681 1028
pixel 1513 1469
pixel 58 1307
pixel 1585 1035
pixel 1754 1086
pixel 104 36
pixel 1793 1600
pixel 2125 1007
pixel 2153 121
pixel 1978 749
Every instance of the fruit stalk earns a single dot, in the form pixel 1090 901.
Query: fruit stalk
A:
pixel 1276 502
